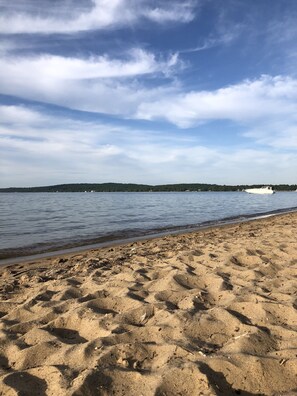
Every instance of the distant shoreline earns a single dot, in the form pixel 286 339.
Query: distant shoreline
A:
pixel 131 187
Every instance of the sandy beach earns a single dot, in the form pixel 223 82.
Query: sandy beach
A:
pixel 212 312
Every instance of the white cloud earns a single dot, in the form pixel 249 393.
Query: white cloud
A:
pixel 225 36
pixel 280 135
pixel 154 153
pixel 53 67
pixel 265 107
pixel 20 123
pixel 245 102
pixel 104 85
pixel 95 84
pixel 44 149
pixel 180 11
pixel 19 115
pixel 67 16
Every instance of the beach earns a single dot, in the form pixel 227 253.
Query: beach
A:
pixel 211 312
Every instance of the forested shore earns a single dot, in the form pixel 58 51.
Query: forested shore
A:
pixel 129 187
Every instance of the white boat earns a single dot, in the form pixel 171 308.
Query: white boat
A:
pixel 260 190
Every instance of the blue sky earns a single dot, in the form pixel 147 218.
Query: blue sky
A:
pixel 148 91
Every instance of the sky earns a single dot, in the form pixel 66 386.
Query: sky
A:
pixel 148 91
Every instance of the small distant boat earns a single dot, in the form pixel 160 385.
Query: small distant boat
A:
pixel 260 190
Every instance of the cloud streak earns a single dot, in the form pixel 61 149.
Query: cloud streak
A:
pixel 66 17
pixel 53 67
pixel 223 37
pixel 102 84
pixel 246 102
pixel 19 115
pixel 67 150
pixel 98 84
pixel 112 86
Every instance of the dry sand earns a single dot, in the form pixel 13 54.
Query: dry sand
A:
pixel 207 313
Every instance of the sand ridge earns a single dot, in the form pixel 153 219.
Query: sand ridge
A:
pixel 206 313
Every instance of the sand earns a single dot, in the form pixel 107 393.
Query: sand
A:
pixel 206 313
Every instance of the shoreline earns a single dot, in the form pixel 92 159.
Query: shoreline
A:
pixel 211 312
pixel 15 257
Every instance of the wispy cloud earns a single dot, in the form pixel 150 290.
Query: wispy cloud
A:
pixel 111 85
pixel 223 37
pixel 279 135
pixel 177 11
pixel 19 115
pixel 52 67
pixel 98 83
pixel 105 85
pixel 66 16
pixel 66 150
pixel 249 101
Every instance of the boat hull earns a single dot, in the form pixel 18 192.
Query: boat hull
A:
pixel 260 191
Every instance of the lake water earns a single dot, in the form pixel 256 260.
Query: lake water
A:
pixel 33 223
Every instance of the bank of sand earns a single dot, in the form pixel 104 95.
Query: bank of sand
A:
pixel 207 313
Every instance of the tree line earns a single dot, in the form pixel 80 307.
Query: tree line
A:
pixel 130 187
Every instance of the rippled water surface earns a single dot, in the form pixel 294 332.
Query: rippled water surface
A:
pixel 36 222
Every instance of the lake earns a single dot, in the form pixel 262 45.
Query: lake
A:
pixel 33 223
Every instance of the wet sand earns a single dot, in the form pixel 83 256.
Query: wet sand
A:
pixel 212 312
